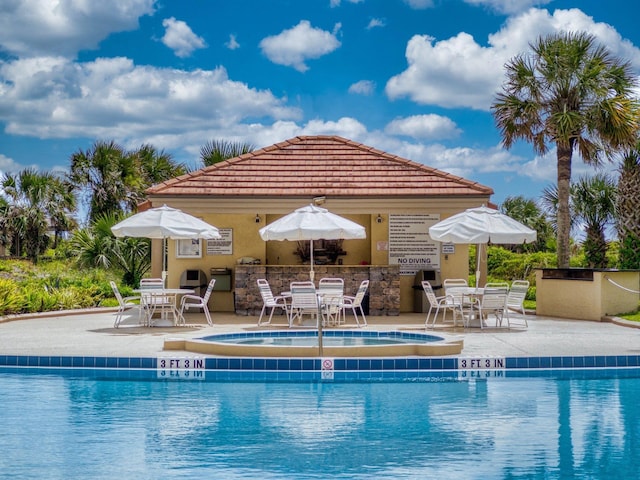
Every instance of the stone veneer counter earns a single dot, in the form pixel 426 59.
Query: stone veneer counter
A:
pixel 383 293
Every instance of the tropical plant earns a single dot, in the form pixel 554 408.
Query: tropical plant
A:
pixel 155 167
pixel 593 201
pixel 215 151
pixel 527 212
pixel 628 209
pixel 34 203
pixel 573 93
pixel 96 246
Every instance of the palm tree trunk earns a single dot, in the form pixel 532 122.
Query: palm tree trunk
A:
pixel 564 216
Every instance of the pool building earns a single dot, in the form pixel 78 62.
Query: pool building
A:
pixel 395 199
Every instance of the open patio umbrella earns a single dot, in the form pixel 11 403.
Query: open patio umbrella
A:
pixel 163 223
pixel 481 225
pixel 312 223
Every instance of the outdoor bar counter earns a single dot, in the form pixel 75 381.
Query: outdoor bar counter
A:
pixel 383 293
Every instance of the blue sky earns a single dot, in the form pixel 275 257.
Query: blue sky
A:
pixel 414 78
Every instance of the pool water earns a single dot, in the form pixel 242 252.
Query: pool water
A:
pixel 328 341
pixel 58 426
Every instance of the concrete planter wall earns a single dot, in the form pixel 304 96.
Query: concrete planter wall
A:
pixel 586 294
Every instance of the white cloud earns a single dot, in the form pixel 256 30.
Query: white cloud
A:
pixel 459 72
pixel 9 165
pixel 113 98
pixel 294 46
pixel 179 37
pixel 65 27
pixel 419 4
pixel 232 44
pixel 363 87
pixel 508 6
pixel 376 22
pixel 427 127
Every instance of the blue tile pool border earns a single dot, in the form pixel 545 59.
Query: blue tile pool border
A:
pixel 297 364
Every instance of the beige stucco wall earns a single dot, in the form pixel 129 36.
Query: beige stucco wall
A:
pixel 240 215
pixel 585 299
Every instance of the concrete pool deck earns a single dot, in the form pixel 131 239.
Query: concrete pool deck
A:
pixel 91 333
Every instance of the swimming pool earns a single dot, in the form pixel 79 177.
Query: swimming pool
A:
pixel 85 423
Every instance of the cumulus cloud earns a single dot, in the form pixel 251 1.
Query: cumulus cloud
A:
pixel 232 44
pixel 425 127
pixel 294 46
pixel 508 7
pixel 113 98
pixel 64 27
pixel 375 22
pixel 419 4
pixel 459 72
pixel 363 87
pixel 179 37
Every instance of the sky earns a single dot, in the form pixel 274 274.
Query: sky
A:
pixel 414 78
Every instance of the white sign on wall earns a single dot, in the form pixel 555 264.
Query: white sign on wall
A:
pixel 410 245
pixel 223 245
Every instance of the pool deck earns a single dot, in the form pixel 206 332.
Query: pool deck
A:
pixel 91 333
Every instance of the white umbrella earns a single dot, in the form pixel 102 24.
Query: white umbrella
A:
pixel 162 223
pixel 481 225
pixel 312 223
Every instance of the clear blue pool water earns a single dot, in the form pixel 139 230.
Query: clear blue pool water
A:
pixel 59 426
pixel 327 341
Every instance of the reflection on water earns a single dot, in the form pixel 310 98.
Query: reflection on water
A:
pixel 56 427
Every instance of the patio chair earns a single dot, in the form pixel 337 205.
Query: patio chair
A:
pixel 195 301
pixel 515 301
pixel 153 301
pixel 124 304
pixel 270 301
pixel 493 302
pixel 304 301
pixel 331 296
pixel 444 303
pixel 354 303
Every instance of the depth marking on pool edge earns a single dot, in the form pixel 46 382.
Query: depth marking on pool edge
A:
pixel 481 363
pixel 188 368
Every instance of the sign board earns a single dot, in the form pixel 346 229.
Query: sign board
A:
pixel 410 245
pixel 223 245
pixel 448 248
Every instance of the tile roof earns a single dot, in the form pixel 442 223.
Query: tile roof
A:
pixel 319 165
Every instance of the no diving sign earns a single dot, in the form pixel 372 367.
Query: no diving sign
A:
pixel 327 368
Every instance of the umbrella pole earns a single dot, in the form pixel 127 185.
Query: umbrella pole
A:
pixel 312 274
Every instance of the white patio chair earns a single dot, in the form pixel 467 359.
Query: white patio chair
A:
pixel 304 302
pixel 444 303
pixel 195 301
pixel 124 304
pixel 331 296
pixel 153 301
pixel 515 302
pixel 354 303
pixel 493 302
pixel 270 301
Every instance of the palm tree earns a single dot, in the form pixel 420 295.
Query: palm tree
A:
pixel 527 212
pixel 155 167
pixel 108 175
pixel 593 200
pixel 574 94
pixel 628 209
pixel 215 151
pixel 35 202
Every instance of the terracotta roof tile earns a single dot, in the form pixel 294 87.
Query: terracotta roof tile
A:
pixel 319 165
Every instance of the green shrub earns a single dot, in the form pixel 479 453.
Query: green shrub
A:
pixel 10 300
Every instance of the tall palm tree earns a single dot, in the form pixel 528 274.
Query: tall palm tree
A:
pixel 628 209
pixel 527 212
pixel 155 167
pixel 215 151
pixel 572 93
pixel 593 200
pixel 108 174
